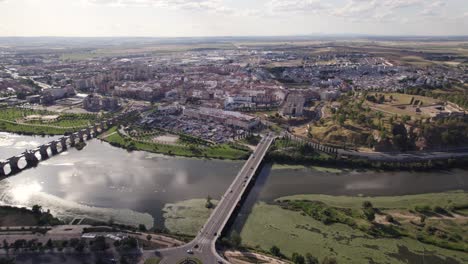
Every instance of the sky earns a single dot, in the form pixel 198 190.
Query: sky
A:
pixel 190 18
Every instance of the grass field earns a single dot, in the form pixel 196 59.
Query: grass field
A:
pixel 291 231
pixel 277 166
pixel 458 198
pixel 186 217
pixel 223 151
pixel 152 261
pixel 14 120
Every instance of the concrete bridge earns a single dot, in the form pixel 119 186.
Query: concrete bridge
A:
pixel 45 151
pixel 203 247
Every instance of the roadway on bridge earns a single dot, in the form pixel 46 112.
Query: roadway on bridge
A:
pixel 203 246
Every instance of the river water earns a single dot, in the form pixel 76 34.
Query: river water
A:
pixel 103 182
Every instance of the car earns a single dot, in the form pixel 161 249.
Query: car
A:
pixel 196 246
pixel 189 251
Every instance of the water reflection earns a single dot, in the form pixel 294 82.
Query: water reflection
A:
pixel 11 144
pixel 101 176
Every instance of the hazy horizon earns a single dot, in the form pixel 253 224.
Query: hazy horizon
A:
pixel 239 18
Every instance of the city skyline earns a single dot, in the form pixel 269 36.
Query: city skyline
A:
pixel 195 18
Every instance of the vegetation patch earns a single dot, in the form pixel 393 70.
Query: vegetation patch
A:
pixel 187 217
pixel 36 122
pixel 294 231
pixel 221 151
pixel 14 216
pixel 153 261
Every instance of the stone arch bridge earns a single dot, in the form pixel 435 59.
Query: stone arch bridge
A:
pixel 45 151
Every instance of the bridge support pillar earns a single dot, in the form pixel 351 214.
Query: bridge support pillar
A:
pixel 81 136
pixel 14 164
pixel 43 152
pixel 88 133
pixel 31 158
pixel 96 130
pixel 63 142
pixel 53 147
pixel 2 170
pixel 72 140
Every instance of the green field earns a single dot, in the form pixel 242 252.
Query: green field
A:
pixel 186 217
pixel 295 231
pixel 457 198
pixel 269 225
pixel 14 120
pixel 152 261
pixel 277 166
pixel 222 151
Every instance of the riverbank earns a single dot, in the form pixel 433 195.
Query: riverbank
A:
pixel 323 226
pixel 15 216
pixel 300 229
pixel 219 151
pixel 288 152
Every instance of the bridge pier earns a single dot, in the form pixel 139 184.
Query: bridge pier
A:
pixel 81 135
pixel 96 130
pixel 13 161
pixel 53 147
pixel 88 133
pixel 2 170
pixel 43 152
pixel 63 142
pixel 72 140
pixel 31 158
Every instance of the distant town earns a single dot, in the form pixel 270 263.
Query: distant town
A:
pixel 333 108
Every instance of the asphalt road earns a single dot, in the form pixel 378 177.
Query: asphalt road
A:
pixel 203 246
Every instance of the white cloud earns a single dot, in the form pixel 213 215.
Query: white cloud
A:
pixel 434 9
pixel 388 10
pixel 297 6
pixel 199 5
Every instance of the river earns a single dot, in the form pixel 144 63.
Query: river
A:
pixel 103 182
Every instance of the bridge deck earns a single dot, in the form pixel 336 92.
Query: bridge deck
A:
pixel 203 246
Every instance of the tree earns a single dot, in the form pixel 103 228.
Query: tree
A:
pixel 5 244
pixel 208 203
pixel 235 239
pixel 37 209
pixel 123 260
pixel 7 261
pixel 309 259
pixel 275 251
pixel 49 244
pixel 367 204
pixel 389 218
pixel 128 244
pixel 142 227
pixel 369 211
pixel 149 237
pixel 297 258
pixel 99 244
